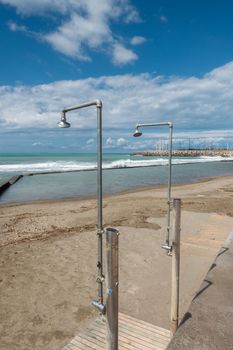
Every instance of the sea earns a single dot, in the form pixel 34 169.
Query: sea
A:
pixel 74 175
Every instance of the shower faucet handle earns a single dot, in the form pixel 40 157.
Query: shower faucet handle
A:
pixel 99 306
pixel 167 247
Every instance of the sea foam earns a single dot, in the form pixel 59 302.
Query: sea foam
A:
pixel 65 166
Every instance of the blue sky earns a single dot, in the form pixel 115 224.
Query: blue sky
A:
pixel 147 60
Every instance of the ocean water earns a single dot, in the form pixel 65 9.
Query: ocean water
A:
pixel 121 172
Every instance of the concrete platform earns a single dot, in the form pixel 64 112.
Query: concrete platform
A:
pixel 134 334
pixel 208 323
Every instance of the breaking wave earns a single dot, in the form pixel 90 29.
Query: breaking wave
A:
pixel 66 166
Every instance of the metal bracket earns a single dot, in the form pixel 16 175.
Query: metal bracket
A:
pixel 100 279
pixel 99 231
pixel 99 306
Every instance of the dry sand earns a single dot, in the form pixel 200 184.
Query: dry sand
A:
pixel 49 249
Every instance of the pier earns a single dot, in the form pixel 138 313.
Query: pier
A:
pixel 186 153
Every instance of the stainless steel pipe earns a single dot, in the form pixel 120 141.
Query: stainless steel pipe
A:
pixel 169 185
pixel 175 264
pixel 112 268
pixel 137 133
pixel 64 124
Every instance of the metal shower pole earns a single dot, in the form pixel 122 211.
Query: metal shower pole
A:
pixel 112 282
pixel 175 264
pixel 64 124
pixel 167 245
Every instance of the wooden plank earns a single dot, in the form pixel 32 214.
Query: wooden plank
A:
pixel 134 334
pixel 142 336
pixel 139 339
pixel 144 324
pixel 142 333
pixel 122 339
pixel 72 346
pixel 145 332
pixel 101 337
pixel 87 343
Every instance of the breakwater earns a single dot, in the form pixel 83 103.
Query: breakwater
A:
pixel 5 185
pixel 186 153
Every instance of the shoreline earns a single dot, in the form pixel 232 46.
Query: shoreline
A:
pixel 109 169
pixel 109 195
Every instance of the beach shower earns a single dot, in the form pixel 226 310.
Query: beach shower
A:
pixel 64 124
pixel 138 133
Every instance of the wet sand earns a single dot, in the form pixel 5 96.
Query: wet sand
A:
pixel 49 253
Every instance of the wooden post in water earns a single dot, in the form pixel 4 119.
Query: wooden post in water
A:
pixel 112 289
pixel 175 264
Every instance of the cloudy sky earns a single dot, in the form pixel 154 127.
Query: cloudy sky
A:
pixel 146 60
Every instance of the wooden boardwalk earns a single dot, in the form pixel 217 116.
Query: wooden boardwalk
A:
pixel 134 334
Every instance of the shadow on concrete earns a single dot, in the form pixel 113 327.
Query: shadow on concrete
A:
pixel 222 251
pixel 212 267
pixel 203 289
pixel 208 283
pixel 186 317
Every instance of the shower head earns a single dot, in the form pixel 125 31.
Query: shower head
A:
pixel 137 132
pixel 63 123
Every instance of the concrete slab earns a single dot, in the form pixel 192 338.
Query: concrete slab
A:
pixel 208 322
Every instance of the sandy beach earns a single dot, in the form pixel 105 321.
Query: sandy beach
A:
pixel 49 254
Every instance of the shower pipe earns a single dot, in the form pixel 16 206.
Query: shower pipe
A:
pixel 137 133
pixel 64 124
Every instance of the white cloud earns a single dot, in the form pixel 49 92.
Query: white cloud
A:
pixel 116 143
pixel 163 19
pixel 122 142
pixel 14 27
pixel 191 103
pixel 110 142
pixel 83 26
pixel 87 145
pixel 35 144
pixel 122 55
pixel 131 13
pixel 90 141
pixel 120 8
pixel 28 7
pixel 137 40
